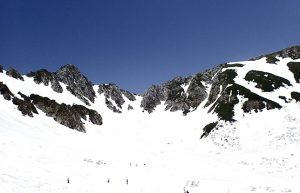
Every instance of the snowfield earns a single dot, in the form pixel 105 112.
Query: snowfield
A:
pixel 161 152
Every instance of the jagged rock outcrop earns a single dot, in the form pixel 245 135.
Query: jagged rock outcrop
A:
pixel 4 90
pixel 129 107
pixel 93 115
pixel 14 73
pixel 113 92
pixel 175 97
pixel 46 77
pixel 224 106
pixel 219 82
pixel 196 92
pixel 152 97
pixel 296 96
pixel 1 68
pixel 25 105
pixel 128 95
pixel 290 52
pixel 208 128
pixel 267 82
pixel 110 106
pixel 67 115
pixel 294 67
pixel 77 83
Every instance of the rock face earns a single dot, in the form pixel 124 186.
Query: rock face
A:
pixel 46 77
pixel 174 94
pixel 114 93
pixel 219 82
pixel 208 128
pixel 296 96
pixel 77 83
pixel 25 105
pixel 291 52
pixel 294 67
pixel 267 82
pixel 176 98
pixel 224 106
pixel 14 73
pixel 67 115
pixel 152 97
pixel 4 90
pixel 1 69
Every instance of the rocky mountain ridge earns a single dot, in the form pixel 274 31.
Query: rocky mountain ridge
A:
pixel 219 90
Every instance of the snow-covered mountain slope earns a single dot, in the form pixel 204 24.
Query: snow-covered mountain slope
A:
pixel 233 128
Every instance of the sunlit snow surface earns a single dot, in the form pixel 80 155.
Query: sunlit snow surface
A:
pixel 162 152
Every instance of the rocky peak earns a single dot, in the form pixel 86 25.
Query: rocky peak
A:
pixel 77 83
pixel 1 68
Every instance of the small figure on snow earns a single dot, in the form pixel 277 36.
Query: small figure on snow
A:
pixel 126 181
pixel 108 180
pixel 68 180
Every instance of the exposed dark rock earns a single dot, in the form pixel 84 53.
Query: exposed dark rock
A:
pixel 129 107
pixel 296 96
pixel 77 83
pixel 4 90
pixel 174 95
pixel 45 77
pixel 113 92
pixel 291 52
pixel 26 98
pixel 78 94
pixel 67 115
pixel 110 106
pixel 256 105
pixel 196 91
pixel 208 128
pixel 94 117
pixel 128 95
pixel 233 65
pixel 267 82
pixel 271 59
pixel 294 67
pixel 14 73
pixel 284 98
pixel 153 97
pixel 224 106
pixel 1 68
pixel 220 81
pixel 25 106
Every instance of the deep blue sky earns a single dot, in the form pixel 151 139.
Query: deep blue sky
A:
pixel 142 42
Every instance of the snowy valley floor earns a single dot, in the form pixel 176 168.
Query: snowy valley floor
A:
pixel 163 155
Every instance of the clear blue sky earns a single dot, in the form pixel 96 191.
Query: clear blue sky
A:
pixel 142 42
